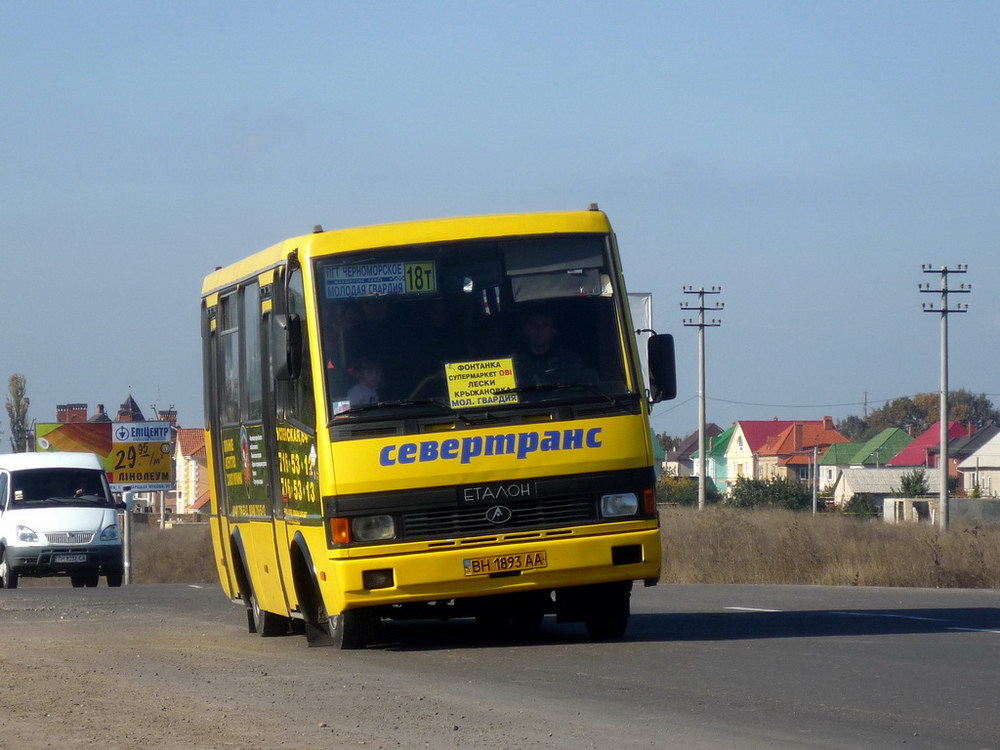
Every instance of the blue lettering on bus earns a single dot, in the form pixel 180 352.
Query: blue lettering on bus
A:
pixel 521 445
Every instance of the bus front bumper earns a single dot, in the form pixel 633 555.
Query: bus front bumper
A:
pixel 479 570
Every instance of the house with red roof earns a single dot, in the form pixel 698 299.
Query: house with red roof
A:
pixel 191 471
pixel 794 452
pixel 742 458
pixel 923 450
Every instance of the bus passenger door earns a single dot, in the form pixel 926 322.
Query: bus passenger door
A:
pixel 292 450
pixel 212 345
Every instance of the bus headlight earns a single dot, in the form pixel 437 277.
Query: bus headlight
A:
pixel 621 504
pixel 373 528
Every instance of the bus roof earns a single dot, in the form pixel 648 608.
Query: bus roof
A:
pixel 410 233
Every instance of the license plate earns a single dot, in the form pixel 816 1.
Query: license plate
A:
pixel 482 566
pixel 69 558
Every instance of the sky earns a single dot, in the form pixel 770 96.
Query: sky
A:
pixel 806 157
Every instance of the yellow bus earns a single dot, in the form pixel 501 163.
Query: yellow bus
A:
pixel 439 419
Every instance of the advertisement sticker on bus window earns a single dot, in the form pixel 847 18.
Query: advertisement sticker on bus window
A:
pixel 378 279
pixel 476 383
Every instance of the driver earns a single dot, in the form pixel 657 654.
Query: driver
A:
pixel 543 361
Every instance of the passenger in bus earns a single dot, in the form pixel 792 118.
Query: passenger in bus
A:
pixel 341 336
pixel 542 360
pixel 368 376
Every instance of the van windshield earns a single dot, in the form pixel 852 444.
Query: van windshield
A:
pixel 34 488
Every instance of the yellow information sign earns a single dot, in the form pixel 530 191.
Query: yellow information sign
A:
pixel 141 456
pixel 476 383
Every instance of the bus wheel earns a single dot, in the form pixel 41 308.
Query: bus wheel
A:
pixel 350 629
pixel 609 611
pixel 266 624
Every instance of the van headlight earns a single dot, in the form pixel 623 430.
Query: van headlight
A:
pixel 24 534
pixel 373 528
pixel 110 534
pixel 619 505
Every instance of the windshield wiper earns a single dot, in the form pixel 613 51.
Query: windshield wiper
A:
pixel 362 408
pixel 545 387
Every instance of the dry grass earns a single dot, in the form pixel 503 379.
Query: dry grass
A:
pixel 717 545
pixel 720 545
pixel 181 554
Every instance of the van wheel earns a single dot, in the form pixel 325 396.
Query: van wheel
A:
pixel 114 579
pixel 8 576
pixel 77 581
pixel 91 580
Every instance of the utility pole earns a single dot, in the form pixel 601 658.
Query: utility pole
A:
pixel 945 311
pixel 815 477
pixel 701 324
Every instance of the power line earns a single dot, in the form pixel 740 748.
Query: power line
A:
pixel 798 406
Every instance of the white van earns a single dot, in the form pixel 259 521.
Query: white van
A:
pixel 57 518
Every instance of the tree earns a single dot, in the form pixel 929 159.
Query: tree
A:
pixel 918 413
pixel 913 484
pixel 854 428
pixel 17 412
pixel 667 442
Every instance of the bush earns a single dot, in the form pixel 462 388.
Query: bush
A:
pixel 684 490
pixel 777 492
pixel 862 504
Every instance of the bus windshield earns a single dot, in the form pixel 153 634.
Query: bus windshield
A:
pixel 492 325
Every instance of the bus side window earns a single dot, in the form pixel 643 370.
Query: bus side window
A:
pixel 295 397
pixel 229 334
pixel 251 351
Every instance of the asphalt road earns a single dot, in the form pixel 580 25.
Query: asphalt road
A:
pixel 701 667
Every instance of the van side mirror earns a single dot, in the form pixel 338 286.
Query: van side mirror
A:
pixel 662 368
pixel 286 354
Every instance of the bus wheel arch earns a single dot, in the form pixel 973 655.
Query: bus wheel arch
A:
pixel 348 629
pixel 241 575
pixel 259 620
pixel 307 594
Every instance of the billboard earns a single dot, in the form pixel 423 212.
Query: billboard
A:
pixel 134 454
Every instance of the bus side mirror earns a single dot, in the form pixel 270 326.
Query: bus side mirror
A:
pixel 662 368
pixel 287 352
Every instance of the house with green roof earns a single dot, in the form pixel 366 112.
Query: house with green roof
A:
pixel 837 457
pixel 872 454
pixel 715 459
pixel 882 448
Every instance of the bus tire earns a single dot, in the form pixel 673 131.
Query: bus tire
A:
pixel 609 611
pixel 349 629
pixel 266 624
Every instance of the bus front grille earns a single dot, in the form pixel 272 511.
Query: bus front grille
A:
pixel 455 522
